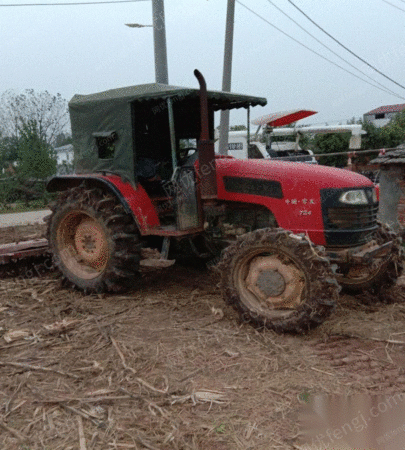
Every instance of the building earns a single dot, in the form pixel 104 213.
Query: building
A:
pixel 382 115
pixel 64 154
pixel 64 158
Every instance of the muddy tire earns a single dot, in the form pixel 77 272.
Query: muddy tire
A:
pixel 278 280
pixel 382 274
pixel 94 243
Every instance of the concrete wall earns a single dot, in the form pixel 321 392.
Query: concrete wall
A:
pixel 392 196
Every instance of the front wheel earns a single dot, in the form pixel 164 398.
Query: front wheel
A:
pixel 381 274
pixel 278 280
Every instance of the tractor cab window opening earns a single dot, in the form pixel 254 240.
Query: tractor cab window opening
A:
pixel 105 142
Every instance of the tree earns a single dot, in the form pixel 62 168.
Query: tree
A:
pixel 8 151
pixel 332 143
pixel 237 128
pixel 394 133
pixel 388 136
pixel 36 157
pixel 353 121
pixel 373 138
pixel 25 160
pixel 63 139
pixel 49 112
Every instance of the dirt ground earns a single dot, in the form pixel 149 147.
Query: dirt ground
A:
pixel 170 366
pixel 22 233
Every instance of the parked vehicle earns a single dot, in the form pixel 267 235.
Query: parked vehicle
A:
pixel 239 148
pixel 286 234
pixel 263 145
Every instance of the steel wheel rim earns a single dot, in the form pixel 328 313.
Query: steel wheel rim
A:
pixel 83 245
pixel 286 282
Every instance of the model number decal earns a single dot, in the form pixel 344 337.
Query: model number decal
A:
pixel 305 212
pixel 304 201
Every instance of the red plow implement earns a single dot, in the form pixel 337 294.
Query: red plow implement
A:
pixel 13 252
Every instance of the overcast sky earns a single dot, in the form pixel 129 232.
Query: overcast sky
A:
pixel 86 49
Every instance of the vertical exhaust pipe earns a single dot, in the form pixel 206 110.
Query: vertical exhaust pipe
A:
pixel 206 152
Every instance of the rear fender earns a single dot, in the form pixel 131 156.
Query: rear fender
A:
pixel 134 200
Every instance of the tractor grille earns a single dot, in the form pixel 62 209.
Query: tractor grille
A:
pixel 347 225
pixel 352 217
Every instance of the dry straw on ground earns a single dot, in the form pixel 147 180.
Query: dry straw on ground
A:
pixel 169 366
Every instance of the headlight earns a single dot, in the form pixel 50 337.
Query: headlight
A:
pixel 357 197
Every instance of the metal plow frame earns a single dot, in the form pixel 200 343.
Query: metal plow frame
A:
pixel 15 251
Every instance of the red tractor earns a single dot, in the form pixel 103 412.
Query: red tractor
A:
pixel 147 176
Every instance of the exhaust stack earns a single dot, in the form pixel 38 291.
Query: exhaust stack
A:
pixel 206 152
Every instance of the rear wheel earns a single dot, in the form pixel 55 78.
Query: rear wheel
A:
pixel 278 280
pixel 94 242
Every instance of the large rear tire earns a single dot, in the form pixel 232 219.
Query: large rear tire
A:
pixel 381 274
pixel 278 280
pixel 94 243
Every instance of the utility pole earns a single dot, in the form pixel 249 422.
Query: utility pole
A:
pixel 159 37
pixel 227 75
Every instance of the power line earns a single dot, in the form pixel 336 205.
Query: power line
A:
pixel 313 51
pixel 74 4
pixel 395 6
pixel 336 54
pixel 354 54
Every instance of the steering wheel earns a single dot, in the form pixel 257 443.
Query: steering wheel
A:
pixel 183 154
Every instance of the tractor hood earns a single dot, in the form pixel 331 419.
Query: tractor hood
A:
pixel 295 193
pixel 290 177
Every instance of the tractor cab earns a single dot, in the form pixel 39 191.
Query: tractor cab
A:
pixel 158 138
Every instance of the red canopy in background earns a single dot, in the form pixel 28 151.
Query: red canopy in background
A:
pixel 283 118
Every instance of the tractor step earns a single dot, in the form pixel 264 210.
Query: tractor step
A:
pixel 172 230
pixel 20 250
pixel 152 259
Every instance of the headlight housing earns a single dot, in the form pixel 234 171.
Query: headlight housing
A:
pixel 357 197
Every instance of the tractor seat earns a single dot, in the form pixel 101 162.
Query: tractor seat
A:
pixel 146 173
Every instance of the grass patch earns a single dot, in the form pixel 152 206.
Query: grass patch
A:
pixel 19 207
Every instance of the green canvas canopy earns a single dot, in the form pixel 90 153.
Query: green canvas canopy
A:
pixel 111 129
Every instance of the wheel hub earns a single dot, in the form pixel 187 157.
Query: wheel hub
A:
pixel 271 283
pixel 90 242
pixel 276 284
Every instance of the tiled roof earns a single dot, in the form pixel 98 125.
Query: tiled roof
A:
pixel 387 109
pixel 391 157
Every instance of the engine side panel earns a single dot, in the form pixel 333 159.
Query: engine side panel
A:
pixel 297 211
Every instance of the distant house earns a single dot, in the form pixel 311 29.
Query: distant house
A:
pixel 382 115
pixel 64 154
pixel 64 158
